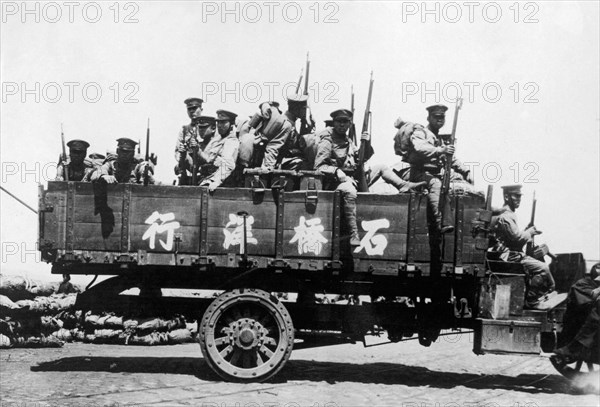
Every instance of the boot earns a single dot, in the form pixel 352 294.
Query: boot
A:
pixel 392 178
pixel 350 215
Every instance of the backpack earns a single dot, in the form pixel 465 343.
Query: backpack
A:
pixel 402 143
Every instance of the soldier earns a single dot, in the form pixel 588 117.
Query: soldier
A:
pixel 337 158
pixel 425 156
pixel 204 128
pixel 512 239
pixel 378 170
pixel 188 133
pixel 255 133
pixel 581 322
pixel 124 169
pixel 79 167
pixel 217 160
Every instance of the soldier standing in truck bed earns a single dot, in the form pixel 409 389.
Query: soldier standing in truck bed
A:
pixel 125 168
pixel 337 159
pixel 79 168
pixel 188 136
pixel 217 160
pixel 507 232
pixel 425 156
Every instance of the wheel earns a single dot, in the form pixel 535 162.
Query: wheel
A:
pixel 573 371
pixel 246 335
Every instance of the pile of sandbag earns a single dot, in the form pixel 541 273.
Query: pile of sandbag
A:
pixel 44 315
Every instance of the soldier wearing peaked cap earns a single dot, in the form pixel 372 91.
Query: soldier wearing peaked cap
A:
pixel 78 166
pixel 125 168
pixel 217 160
pixel 426 155
pixel 189 139
pixel 511 241
pixel 336 158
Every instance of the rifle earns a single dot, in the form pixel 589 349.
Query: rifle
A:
pixel 299 82
pixel 448 163
pixel 147 159
pixel 195 157
pixel 531 244
pixel 352 126
pixel 64 153
pixel 307 126
pixel 363 186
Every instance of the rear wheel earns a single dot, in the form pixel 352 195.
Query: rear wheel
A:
pixel 246 335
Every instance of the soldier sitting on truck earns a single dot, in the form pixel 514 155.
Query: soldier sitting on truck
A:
pixel 581 322
pixel 124 168
pixel 336 158
pixel 217 160
pixel 76 167
pixel 511 241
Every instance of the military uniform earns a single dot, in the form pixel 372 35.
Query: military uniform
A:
pixel 425 157
pixel 77 171
pixel 511 241
pixel 124 171
pixel 218 159
pixel 184 150
pixel 337 153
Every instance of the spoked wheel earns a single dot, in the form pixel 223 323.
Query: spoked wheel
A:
pixel 246 335
pixel 574 370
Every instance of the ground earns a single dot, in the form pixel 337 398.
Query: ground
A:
pixel 404 374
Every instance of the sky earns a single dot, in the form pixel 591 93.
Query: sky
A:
pixel 528 73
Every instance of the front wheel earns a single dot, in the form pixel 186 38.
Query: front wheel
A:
pixel 246 335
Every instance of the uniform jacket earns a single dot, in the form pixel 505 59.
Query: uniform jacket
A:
pixel 186 133
pixel 425 151
pixel 335 152
pixel 132 173
pixel 218 159
pixel 506 230
pixel 82 173
pixel 278 140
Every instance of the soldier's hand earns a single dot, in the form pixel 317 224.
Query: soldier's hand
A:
pixel 341 175
pixel 212 186
pixel 109 179
pixel 596 293
pixel 181 148
pixel 193 142
pixel 534 231
pixel 366 136
pixel 446 149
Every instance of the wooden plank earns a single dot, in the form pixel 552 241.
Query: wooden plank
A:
pixel 89 210
pixel 264 246
pixel 293 212
pixel 303 248
pixel 220 212
pixel 91 236
pixel 394 247
pixel 190 239
pixel 185 211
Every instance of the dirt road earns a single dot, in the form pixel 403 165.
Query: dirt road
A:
pixel 405 374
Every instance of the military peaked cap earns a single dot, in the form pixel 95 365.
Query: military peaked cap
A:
pixel 206 121
pixel 512 189
pixel 78 145
pixel 341 114
pixel 301 100
pixel 193 102
pixel 125 143
pixel 226 116
pixel 329 123
pixel 437 109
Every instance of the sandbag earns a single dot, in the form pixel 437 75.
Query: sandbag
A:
pixel 50 324
pixel 63 335
pixel 148 325
pixel 5 342
pixel 152 339
pixel 37 342
pixel 7 305
pixel 15 287
pixel 180 336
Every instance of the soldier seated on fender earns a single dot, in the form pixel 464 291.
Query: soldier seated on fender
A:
pixel 336 158
pixel 540 283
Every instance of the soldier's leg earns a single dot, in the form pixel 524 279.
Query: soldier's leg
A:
pixel 349 195
pixel 540 279
pixel 590 331
pixel 391 177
